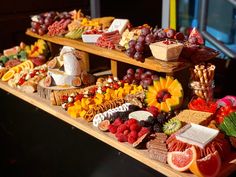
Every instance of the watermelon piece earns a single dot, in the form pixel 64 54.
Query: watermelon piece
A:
pixel 197 34
pixel 11 51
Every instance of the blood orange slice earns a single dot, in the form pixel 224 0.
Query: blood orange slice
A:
pixel 208 166
pixel 181 161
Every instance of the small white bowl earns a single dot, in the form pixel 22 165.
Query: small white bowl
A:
pixel 140 115
pixel 90 38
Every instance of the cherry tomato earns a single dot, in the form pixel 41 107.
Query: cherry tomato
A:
pixel 21 81
pixel 69 105
pixel 64 98
pixel 220 119
pixel 78 97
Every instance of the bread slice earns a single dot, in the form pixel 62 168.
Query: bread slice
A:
pixel 197 117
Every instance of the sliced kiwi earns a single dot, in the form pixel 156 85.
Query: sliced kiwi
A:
pixel 171 126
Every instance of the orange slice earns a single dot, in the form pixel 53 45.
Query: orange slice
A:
pixel 209 165
pixel 8 75
pixel 29 63
pixel 17 68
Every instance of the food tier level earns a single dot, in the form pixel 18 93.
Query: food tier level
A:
pixel 150 62
pixel 141 155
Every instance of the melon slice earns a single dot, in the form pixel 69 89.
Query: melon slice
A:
pixel 163 82
pixel 175 85
pixel 11 51
pixel 151 101
pixel 164 107
pixel 152 90
pixel 157 85
pixel 169 80
pixel 176 92
pixel 173 102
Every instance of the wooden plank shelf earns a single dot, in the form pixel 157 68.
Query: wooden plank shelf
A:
pixel 150 62
pixel 141 155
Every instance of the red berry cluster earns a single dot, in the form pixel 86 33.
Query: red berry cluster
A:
pixel 128 131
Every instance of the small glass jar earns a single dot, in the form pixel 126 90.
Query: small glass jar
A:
pixel 202 90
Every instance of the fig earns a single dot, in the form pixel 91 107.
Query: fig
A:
pixel 52 63
pixel 76 82
pixel 141 141
pixel 48 81
pixel 104 125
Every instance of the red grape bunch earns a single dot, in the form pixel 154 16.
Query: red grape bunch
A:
pixel 41 22
pixel 162 34
pixel 138 49
pixel 140 77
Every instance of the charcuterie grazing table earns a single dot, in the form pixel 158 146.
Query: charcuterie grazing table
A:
pixel 141 155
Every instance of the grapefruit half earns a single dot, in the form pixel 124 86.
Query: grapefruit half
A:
pixel 181 161
pixel 208 166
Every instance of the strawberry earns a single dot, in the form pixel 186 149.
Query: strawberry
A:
pixel 64 98
pixel 115 86
pixel 153 110
pixel 112 128
pixel 78 97
pixel 104 88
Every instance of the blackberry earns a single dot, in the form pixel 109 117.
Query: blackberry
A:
pixel 142 123
pixel 151 120
pixel 115 114
pixel 133 108
pixel 112 118
pixel 123 115
pixel 161 118
pixel 176 112
pixel 169 115
pixel 157 128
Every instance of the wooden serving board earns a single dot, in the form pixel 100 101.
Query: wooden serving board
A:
pixel 54 93
pixel 115 55
pixel 141 155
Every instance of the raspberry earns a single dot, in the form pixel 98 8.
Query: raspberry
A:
pixel 135 127
pixel 112 128
pixel 134 134
pixel 117 122
pixel 132 137
pixel 131 121
pixel 122 128
pixel 143 131
pixel 121 137
pixel 118 134
pixel 153 110
pixel 126 132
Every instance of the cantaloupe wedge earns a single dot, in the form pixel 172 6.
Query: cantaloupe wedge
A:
pixel 164 107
